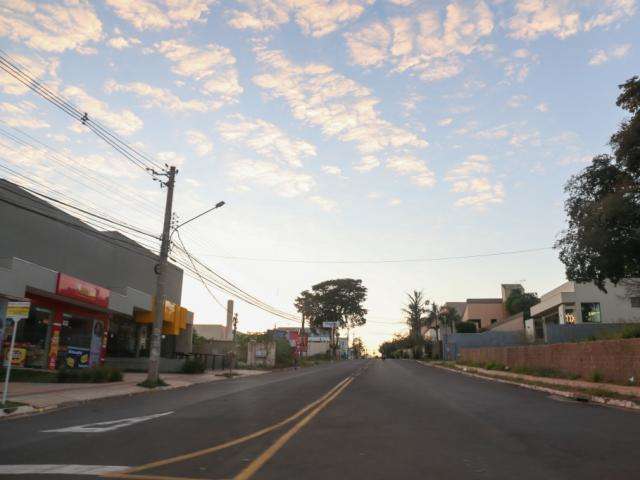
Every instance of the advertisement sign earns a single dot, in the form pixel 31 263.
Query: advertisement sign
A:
pixel 18 358
pixel 53 346
pixel 77 357
pixel 329 324
pixel 18 310
pixel 86 292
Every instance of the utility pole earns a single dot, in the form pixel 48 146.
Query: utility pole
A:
pixel 161 272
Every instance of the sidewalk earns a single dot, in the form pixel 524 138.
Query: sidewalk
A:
pixel 51 395
pixel 607 393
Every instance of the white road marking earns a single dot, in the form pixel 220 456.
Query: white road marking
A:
pixel 60 469
pixel 107 426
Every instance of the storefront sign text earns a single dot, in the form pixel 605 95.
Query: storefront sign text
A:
pixel 86 292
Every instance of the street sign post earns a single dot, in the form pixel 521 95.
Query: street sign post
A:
pixel 16 311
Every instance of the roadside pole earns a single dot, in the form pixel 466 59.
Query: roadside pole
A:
pixel 161 270
pixel 16 311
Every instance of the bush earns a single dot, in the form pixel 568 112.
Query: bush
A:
pixel 631 331
pixel 89 375
pixel 596 377
pixel 494 366
pixel 193 365
pixel 466 327
pixel 284 353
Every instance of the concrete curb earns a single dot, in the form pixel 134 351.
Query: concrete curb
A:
pixel 28 410
pixel 573 395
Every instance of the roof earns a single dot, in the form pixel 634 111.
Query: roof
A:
pixel 484 300
pixel 460 307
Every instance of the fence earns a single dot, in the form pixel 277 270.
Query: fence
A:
pixel 457 341
pixel 556 333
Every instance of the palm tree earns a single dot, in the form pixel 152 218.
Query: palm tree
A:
pixel 415 309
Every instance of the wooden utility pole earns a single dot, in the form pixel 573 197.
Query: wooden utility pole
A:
pixel 161 272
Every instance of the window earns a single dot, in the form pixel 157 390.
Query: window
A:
pixel 494 320
pixel 539 328
pixel 591 312
pixel 635 302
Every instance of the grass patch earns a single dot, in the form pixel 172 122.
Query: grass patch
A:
pixel 148 384
pixel 10 406
pixel 596 377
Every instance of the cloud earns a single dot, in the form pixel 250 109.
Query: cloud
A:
pixel 124 122
pixel 542 107
pixel 332 170
pixel 315 17
pixel 326 204
pixel 200 142
pixel 171 158
pixel 417 169
pixel 284 182
pixel 603 56
pixel 494 133
pixel 367 163
pixel 160 97
pixel 120 43
pixel 470 180
pixel 563 18
pixel 158 14
pixel 266 139
pixel 517 100
pixel 21 115
pixel 425 44
pixel 51 27
pixel 42 70
pixel 444 122
pixel 394 202
pixel 213 66
pixel 339 106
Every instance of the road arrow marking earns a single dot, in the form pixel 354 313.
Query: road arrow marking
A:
pixel 101 427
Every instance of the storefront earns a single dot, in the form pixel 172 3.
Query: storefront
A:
pixel 60 333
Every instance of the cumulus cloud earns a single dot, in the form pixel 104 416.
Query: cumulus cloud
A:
pixel 160 14
pixel 414 167
pixel 564 18
pixel 516 100
pixel 339 106
pixel 367 163
pixel 615 52
pixel 160 97
pixel 213 66
pixel 124 122
pixel 266 139
pixel 22 114
pixel 332 170
pixel 40 69
pixel 470 180
pixel 284 182
pixel 120 43
pixel 51 27
pixel 200 142
pixel 426 44
pixel 315 17
pixel 445 121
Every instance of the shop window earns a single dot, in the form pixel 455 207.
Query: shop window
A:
pixel 635 302
pixel 122 337
pixel 80 341
pixel 591 312
pixel 32 337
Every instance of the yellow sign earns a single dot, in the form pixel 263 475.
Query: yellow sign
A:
pixel 18 310
pixel 19 357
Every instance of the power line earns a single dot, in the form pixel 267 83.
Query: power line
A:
pixel 132 154
pixel 398 260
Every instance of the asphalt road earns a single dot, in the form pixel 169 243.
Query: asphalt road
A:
pixel 351 420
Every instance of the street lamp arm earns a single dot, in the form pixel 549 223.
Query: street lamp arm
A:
pixel 217 205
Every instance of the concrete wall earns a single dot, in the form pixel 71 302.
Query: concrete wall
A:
pixel 615 305
pixel 556 333
pixel 515 323
pixel 108 262
pixel 616 360
pixel 268 360
pixel 317 348
pixel 484 312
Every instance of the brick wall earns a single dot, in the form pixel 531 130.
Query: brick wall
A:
pixel 616 360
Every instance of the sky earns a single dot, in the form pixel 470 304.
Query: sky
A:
pixel 348 131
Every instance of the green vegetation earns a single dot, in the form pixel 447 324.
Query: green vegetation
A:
pixel 358 348
pixel 533 371
pixel 148 384
pixel 284 353
pixel 29 375
pixel 603 206
pixel 520 301
pixel 596 377
pixel 193 365
pixel 466 327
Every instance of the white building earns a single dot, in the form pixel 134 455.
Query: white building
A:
pixel 576 303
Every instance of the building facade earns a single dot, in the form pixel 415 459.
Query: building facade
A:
pixel 91 291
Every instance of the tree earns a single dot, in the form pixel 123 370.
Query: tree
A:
pixel 390 348
pixel 602 240
pixel 358 348
pixel 448 317
pixel 415 309
pixel 338 301
pixel 520 301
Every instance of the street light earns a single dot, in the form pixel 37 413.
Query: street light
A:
pixel 217 205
